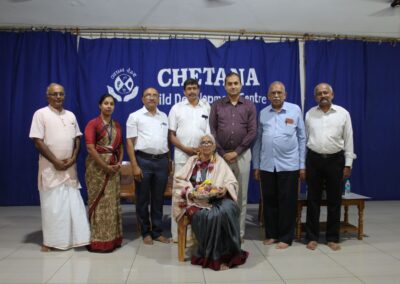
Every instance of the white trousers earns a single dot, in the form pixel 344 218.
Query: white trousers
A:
pixel 64 219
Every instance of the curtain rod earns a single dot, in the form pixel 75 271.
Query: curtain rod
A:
pixel 193 33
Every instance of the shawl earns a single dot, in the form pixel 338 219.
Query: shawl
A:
pixel 221 176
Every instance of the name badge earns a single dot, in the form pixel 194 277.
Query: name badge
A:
pixel 289 121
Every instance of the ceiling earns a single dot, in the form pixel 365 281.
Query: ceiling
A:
pixel 342 17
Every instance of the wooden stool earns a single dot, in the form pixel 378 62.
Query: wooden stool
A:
pixel 182 231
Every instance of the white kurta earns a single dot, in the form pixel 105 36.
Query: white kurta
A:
pixel 64 219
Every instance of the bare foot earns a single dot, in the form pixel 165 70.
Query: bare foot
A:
pixel 268 242
pixel 312 245
pixel 281 245
pixel 147 240
pixel 45 248
pixel 224 266
pixel 162 239
pixel 334 246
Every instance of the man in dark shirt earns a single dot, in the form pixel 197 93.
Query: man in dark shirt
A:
pixel 233 122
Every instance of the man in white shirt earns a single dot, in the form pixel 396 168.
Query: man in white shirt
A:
pixel 330 155
pixel 188 122
pixel 56 135
pixel 147 147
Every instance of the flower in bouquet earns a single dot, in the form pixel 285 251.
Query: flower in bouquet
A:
pixel 205 190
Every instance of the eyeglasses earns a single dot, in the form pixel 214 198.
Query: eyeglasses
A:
pixel 56 94
pixel 206 143
pixel 151 96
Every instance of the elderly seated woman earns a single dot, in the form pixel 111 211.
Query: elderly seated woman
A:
pixel 206 190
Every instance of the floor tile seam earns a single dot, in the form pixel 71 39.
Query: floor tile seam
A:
pixel 344 267
pixel 323 277
pixel 274 269
pixel 133 261
pixel 54 274
pixel 12 252
pixel 381 250
pixel 259 250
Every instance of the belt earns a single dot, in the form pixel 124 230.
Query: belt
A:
pixel 325 156
pixel 151 156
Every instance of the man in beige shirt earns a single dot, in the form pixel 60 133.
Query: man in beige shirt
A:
pixel 56 135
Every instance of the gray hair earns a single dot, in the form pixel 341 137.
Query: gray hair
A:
pixel 49 87
pixel 326 84
pixel 212 138
pixel 277 83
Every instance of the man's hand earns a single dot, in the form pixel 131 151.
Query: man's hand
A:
pixel 60 165
pixel 69 162
pixel 257 174
pixel 137 173
pixel 346 172
pixel 191 151
pixel 230 157
pixel 170 167
pixel 302 174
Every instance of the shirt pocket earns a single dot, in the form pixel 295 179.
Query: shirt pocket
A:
pixel 289 130
pixel 203 122
pixel 164 129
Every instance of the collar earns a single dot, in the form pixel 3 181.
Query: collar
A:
pixel 333 108
pixel 56 110
pixel 227 100
pixel 186 102
pixel 283 108
pixel 144 109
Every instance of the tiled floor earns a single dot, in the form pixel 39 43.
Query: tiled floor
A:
pixel 376 259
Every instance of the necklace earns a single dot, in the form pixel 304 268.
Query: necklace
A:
pixel 108 128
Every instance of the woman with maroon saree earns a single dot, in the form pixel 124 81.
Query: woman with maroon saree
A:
pixel 105 152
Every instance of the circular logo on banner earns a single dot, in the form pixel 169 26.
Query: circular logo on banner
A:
pixel 123 87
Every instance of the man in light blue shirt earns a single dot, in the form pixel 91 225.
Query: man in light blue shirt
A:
pixel 278 161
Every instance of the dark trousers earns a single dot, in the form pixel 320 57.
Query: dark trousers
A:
pixel 279 190
pixel 324 173
pixel 150 191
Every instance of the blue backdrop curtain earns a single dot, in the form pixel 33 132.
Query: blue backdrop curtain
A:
pixel 125 67
pixel 381 139
pixel 29 61
pixel 364 77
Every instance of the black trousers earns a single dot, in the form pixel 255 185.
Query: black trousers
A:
pixel 150 191
pixel 279 190
pixel 324 172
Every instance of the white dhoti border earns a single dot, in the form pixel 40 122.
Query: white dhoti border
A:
pixel 64 218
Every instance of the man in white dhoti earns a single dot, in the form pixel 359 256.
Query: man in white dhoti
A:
pixel 56 135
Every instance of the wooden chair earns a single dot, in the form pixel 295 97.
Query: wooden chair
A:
pixel 182 232
pixel 127 183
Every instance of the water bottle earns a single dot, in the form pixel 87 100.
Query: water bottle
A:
pixel 347 188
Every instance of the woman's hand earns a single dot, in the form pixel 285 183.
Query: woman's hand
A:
pixel 222 191
pixel 112 169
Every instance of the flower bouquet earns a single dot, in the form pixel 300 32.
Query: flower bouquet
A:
pixel 206 190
